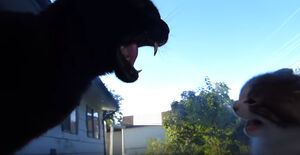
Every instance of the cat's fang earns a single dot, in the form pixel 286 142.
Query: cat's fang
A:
pixel 155 48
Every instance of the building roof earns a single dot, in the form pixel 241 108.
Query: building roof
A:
pixel 98 97
pixel 118 128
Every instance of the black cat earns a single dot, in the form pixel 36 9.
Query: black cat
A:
pixel 48 60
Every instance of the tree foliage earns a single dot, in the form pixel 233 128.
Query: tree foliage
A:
pixel 203 123
pixel 114 117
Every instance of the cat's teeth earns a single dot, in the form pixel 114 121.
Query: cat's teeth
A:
pixel 155 48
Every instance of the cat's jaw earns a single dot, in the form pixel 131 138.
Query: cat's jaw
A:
pixel 254 123
pixel 261 127
pixel 277 141
pixel 256 126
pixel 253 127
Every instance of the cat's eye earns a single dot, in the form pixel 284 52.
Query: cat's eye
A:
pixel 250 101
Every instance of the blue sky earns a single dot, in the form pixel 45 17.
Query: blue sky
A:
pixel 227 40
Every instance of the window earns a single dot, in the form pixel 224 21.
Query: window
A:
pixel 70 124
pixel 93 123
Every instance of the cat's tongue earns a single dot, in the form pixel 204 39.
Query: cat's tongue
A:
pixel 132 50
pixel 253 125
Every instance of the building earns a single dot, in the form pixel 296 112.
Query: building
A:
pixel 133 137
pixel 82 132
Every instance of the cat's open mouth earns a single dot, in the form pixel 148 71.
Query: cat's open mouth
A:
pixel 128 51
pixel 126 57
pixel 253 125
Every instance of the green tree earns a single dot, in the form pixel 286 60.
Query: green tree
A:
pixel 114 117
pixel 203 123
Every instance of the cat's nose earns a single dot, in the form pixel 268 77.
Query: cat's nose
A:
pixel 235 106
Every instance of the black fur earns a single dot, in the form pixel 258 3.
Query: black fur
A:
pixel 48 60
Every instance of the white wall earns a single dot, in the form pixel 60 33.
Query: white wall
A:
pixel 117 143
pixel 66 143
pixel 135 139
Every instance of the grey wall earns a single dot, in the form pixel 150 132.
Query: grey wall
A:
pixel 66 143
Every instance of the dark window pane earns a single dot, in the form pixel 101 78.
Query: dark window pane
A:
pixel 66 124
pixel 90 127
pixel 89 111
pixel 73 120
pixel 70 123
pixel 92 124
pixel 96 128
